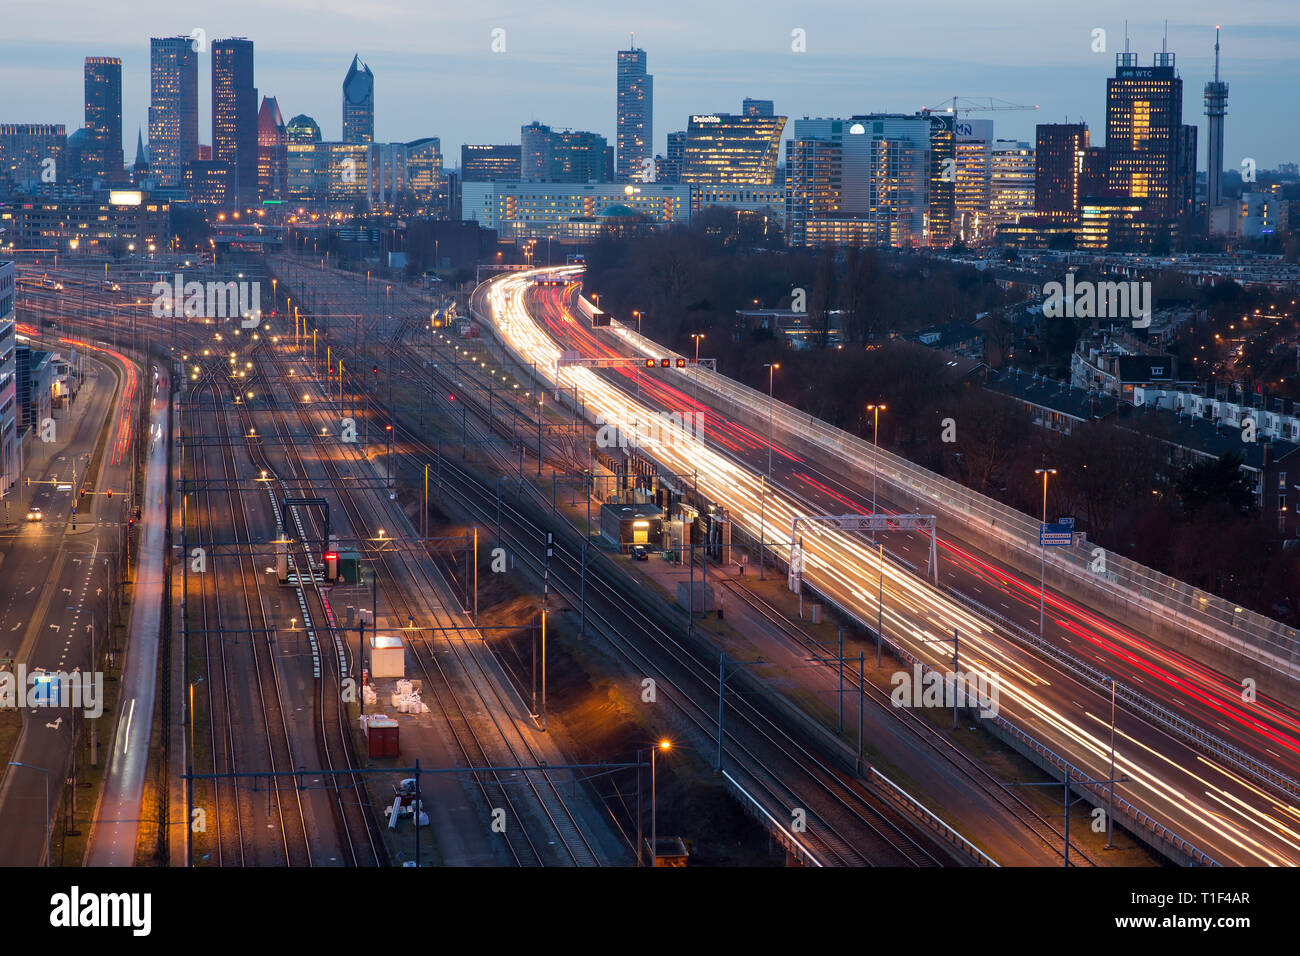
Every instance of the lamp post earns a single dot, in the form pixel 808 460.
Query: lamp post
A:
pixel 695 375
pixel 15 763
pixel 876 409
pixel 1042 566
pixel 665 745
pixel 771 371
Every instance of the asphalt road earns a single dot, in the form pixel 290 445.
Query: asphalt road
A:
pixel 54 593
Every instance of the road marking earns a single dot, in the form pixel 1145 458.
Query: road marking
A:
pixel 126 736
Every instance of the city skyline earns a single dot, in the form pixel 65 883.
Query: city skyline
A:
pixel 1055 68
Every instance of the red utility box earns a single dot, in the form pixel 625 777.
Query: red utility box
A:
pixel 381 737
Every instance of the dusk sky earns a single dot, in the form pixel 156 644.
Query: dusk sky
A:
pixel 436 75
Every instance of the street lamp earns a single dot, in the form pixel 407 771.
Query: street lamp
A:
pixel 665 745
pixel 771 370
pixel 876 409
pixel 697 336
pixel 1042 566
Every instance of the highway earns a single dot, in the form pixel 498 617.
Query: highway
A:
pixel 58 581
pixel 117 818
pixel 847 823
pixel 1231 819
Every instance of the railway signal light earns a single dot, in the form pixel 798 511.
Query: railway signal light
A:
pixel 331 565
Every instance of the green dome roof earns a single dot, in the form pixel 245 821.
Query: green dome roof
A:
pixel 617 209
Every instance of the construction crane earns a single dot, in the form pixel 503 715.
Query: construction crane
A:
pixel 981 104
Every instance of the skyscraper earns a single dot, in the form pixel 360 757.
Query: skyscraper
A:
pixel 535 153
pixel 272 152
pixel 873 180
pixel 577 156
pixel 173 107
pixel 1216 108
pixel 1013 170
pixel 1059 170
pixel 484 163
pixel 102 157
pixel 234 113
pixel 724 148
pixel 974 179
pixel 26 147
pixel 358 103
pixel 635 117
pixel 1146 141
pixel 753 107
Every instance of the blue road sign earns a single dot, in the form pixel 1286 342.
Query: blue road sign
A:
pixel 1058 535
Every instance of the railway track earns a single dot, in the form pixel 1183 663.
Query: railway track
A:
pixel 504 744
pixel 293 846
pixel 880 836
pixel 1050 837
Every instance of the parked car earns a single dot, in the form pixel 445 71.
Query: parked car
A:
pixel 640 553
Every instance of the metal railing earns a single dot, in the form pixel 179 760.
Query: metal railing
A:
pixel 908 803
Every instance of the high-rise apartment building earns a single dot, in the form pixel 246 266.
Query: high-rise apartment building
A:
pixel 358 103
pixel 102 156
pixel 29 150
pixel 484 163
pixel 234 113
pixel 1060 153
pixel 635 120
pixel 725 148
pixel 173 108
pixel 272 152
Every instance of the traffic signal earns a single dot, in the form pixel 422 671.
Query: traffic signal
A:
pixel 649 363
pixel 374 369
pixel 666 363
pixel 83 492
pixel 110 492
pixel 681 363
